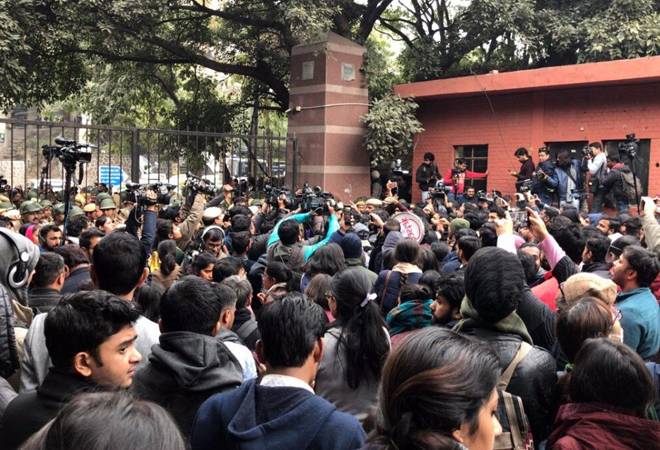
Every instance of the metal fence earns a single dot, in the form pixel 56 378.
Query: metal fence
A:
pixel 146 155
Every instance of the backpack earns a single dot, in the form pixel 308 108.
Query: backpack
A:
pixel 516 432
pixel 629 182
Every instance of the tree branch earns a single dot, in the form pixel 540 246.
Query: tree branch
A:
pixel 395 30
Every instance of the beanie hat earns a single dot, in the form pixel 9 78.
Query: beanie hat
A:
pixel 351 245
pixel 458 224
pixel 494 283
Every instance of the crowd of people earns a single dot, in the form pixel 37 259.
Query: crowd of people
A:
pixel 227 322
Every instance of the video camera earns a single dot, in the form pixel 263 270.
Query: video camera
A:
pixel 630 147
pixel 440 189
pixel 196 184
pixel 68 152
pixel 141 195
pixel 272 195
pixel 315 199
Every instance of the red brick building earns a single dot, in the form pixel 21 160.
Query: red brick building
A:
pixel 484 118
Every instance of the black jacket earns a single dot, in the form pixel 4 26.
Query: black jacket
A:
pixel 184 370
pixel 78 279
pixel 31 410
pixel 534 380
pixel 424 174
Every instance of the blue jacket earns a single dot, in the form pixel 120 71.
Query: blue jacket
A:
pixel 640 319
pixel 255 417
pixel 562 178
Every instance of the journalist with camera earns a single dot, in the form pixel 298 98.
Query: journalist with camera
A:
pixel 597 166
pixel 426 174
pixel 524 175
pixel 570 179
pixel 545 180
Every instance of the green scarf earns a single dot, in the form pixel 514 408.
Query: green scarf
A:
pixel 510 324
pixel 409 315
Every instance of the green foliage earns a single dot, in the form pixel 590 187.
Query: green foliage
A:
pixel 391 128
pixel 445 39
pixel 381 67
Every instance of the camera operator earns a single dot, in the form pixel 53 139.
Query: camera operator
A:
pixel 426 173
pixel 570 182
pixel 597 165
pixel 545 180
pixel 470 195
pixel 613 189
pixel 458 174
pixel 526 171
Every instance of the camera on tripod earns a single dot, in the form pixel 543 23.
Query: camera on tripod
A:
pixel 68 152
pixel 629 147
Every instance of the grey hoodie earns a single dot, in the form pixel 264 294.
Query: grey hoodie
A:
pixel 185 369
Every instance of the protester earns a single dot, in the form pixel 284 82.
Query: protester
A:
pixel 413 312
pixel 78 266
pixel 355 346
pixel 389 282
pixel 611 395
pixel 426 173
pixel 264 414
pixel 47 282
pixel 245 326
pixel 438 391
pixel 203 265
pixel 90 339
pixel 188 365
pixel 108 421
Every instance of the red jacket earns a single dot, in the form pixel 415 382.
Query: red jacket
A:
pixel 586 426
pixel 458 186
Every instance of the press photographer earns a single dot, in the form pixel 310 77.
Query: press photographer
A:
pixel 426 174
pixel 597 165
pixel 570 179
pixel 526 172
pixel 545 180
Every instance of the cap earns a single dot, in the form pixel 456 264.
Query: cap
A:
pixel 75 211
pixel 89 207
pixel 107 203
pixel 101 196
pixel 46 203
pixel 29 207
pixel 58 208
pixel 374 202
pixel 212 212
pixel 458 224
pixel 12 214
pixel 80 199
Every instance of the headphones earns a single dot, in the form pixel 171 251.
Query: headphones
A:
pixel 17 272
pixel 213 227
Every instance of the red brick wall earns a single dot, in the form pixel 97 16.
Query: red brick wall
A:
pixel 532 119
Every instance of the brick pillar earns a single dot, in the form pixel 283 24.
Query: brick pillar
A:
pixel 328 95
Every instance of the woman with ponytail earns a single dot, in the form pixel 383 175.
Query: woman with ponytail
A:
pixel 355 346
pixel 438 392
pixel 168 271
pixel 389 283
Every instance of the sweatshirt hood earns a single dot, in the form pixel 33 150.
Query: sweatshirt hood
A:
pixel 259 411
pixel 393 237
pixel 196 361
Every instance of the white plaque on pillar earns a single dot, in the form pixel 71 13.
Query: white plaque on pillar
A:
pixel 347 72
pixel 308 70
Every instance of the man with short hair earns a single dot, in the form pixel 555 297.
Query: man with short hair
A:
pixel 89 239
pixel 77 264
pixel 281 410
pixel 50 237
pixel 545 178
pixel 458 174
pixel 633 272
pixel 570 182
pixel 526 171
pixel 613 184
pixel 47 282
pixel 426 174
pixel 594 254
pixel 449 291
pixel 91 340
pixel 467 246
pixel 244 324
pixel 119 267
pixel 189 364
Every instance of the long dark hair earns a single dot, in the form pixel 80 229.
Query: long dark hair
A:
pixel 610 373
pixel 435 381
pixel 363 336
pixel 167 256
pixel 328 259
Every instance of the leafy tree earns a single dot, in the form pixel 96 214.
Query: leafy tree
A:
pixel 252 39
pixel 391 128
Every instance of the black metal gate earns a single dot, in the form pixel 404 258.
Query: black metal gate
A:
pixel 147 155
